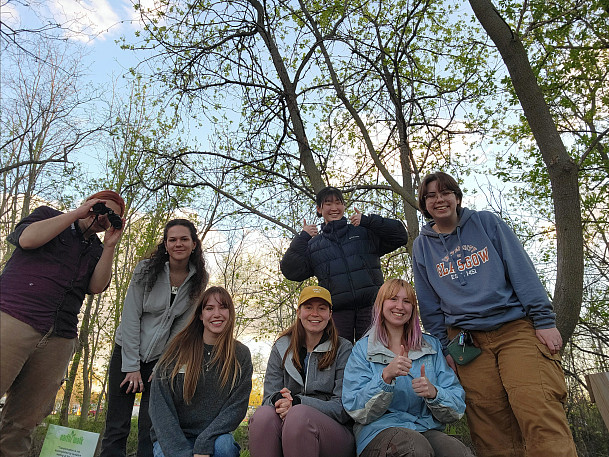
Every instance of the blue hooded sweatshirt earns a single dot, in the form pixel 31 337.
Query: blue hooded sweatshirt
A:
pixel 477 278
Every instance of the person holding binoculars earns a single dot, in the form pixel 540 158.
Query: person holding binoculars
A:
pixel 58 258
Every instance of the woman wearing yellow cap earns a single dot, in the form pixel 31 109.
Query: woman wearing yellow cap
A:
pixel 302 414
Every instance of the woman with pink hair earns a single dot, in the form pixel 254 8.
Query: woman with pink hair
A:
pixel 397 385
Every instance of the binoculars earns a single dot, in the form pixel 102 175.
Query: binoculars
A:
pixel 114 219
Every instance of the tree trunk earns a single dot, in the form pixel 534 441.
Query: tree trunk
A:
pixel 291 98
pixel 67 395
pixel 83 339
pixel 562 170
pixel 102 398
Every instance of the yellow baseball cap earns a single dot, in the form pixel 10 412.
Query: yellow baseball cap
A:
pixel 310 292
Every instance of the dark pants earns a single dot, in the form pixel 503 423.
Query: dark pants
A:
pixel 352 323
pixel 403 442
pixel 120 408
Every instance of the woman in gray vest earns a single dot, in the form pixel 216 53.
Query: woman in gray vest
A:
pixel 158 304
pixel 303 385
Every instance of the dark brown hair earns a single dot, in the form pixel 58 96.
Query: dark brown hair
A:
pixel 326 193
pixel 159 256
pixel 445 182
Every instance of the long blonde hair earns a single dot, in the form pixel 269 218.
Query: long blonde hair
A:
pixel 186 349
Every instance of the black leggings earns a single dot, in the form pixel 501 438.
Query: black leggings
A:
pixel 352 323
pixel 120 407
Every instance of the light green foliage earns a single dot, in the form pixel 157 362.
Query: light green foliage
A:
pixel 356 94
pixel 567 47
pixel 567 43
pixel 261 104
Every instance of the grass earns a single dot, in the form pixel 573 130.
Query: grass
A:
pixel 92 425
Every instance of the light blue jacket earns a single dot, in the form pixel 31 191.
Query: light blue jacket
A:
pixel 376 405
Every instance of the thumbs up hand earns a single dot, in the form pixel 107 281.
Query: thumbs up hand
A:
pixel 356 218
pixel 399 366
pixel 423 387
pixel 311 229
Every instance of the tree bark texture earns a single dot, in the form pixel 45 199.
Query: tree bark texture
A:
pixel 562 170
pixel 298 129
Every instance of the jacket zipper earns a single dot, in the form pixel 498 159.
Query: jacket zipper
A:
pixel 348 270
pixel 167 317
pixel 307 374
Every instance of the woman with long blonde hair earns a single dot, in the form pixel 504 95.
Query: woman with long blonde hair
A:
pixel 398 387
pixel 202 384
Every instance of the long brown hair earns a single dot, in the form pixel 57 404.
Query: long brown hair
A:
pixel 297 334
pixel 186 349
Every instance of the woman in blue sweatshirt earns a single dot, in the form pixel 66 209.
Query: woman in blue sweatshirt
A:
pixel 473 275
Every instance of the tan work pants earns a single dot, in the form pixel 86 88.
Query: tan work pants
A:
pixel 515 391
pixel 32 367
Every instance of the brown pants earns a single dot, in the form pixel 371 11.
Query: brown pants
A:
pixel 32 367
pixel 403 442
pixel 514 393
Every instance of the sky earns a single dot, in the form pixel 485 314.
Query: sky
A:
pixel 95 25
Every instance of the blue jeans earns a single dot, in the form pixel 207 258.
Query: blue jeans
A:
pixel 225 446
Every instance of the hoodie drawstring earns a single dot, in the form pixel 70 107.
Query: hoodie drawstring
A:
pixel 460 274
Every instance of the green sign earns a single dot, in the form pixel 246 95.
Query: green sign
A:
pixel 68 442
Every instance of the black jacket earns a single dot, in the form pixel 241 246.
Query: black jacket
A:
pixel 345 259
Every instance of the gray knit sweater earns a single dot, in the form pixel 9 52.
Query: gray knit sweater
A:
pixel 213 410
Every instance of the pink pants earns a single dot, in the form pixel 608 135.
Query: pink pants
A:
pixel 305 432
